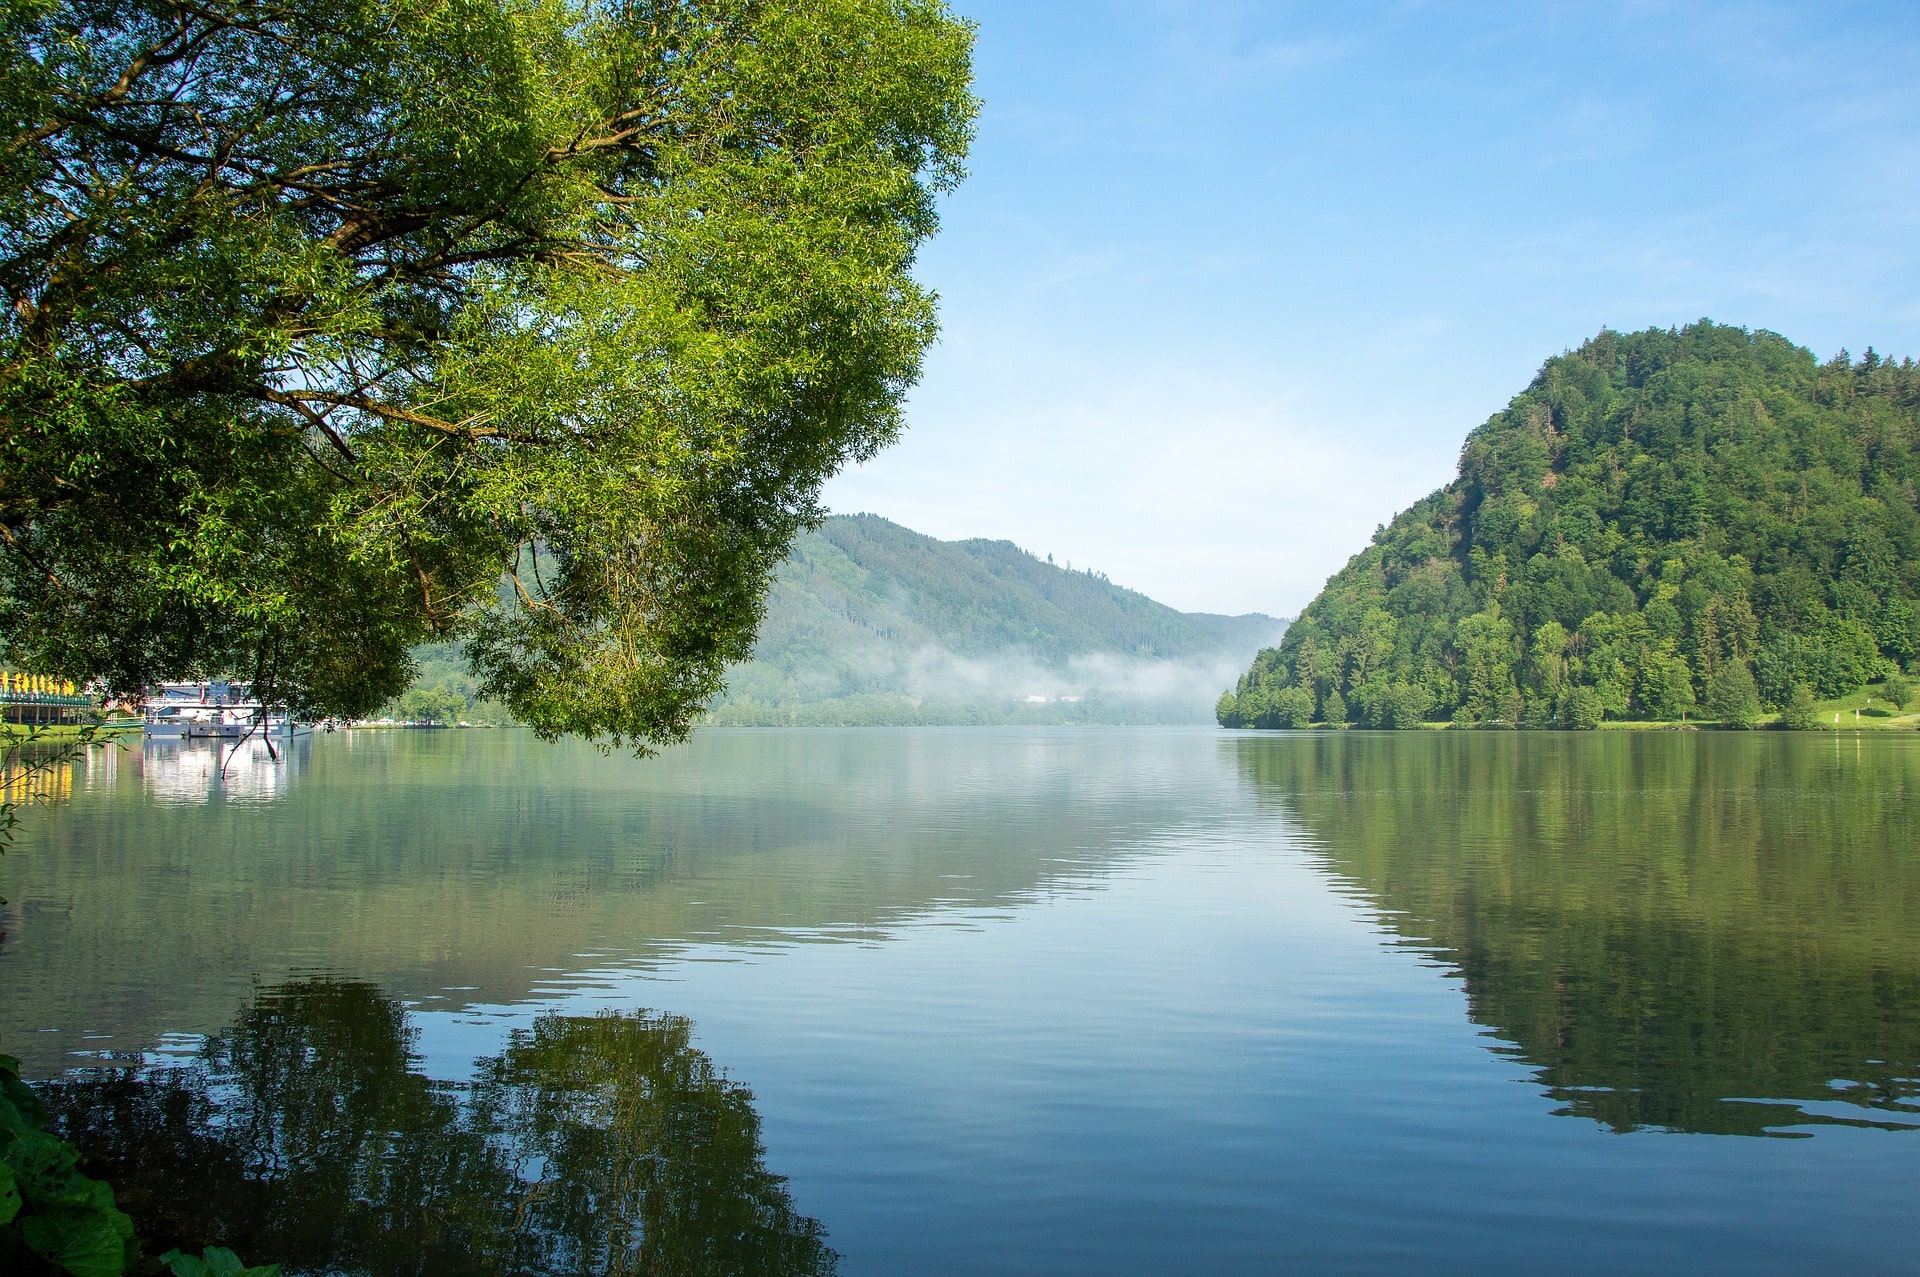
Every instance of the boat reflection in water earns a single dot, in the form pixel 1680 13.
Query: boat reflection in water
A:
pixel 601 1144
pixel 180 772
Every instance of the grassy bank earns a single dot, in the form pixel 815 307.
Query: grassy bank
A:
pixel 1865 710
pixel 14 733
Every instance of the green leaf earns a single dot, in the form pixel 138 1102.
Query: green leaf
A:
pixel 223 1262
pixel 218 1261
pixel 45 1166
pixel 9 1194
pixel 81 1241
pixel 20 1108
pixel 183 1265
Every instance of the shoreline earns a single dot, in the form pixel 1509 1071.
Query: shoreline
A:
pixel 16 734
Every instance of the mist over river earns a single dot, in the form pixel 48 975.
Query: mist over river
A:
pixel 1011 1000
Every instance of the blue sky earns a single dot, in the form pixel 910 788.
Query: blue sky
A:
pixel 1230 283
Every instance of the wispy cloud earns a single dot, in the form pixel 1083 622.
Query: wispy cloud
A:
pixel 1232 282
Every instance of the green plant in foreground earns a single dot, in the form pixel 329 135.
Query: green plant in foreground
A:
pixel 48 1209
pixel 215 1261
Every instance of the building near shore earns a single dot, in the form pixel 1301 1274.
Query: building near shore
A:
pixel 39 700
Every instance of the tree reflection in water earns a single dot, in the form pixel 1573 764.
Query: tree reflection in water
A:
pixel 1703 933
pixel 605 1144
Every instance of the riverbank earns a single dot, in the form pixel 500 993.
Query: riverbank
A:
pixel 14 734
pixel 1865 710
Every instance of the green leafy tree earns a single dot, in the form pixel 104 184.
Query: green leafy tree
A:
pixel 1666 685
pixel 1610 643
pixel 334 328
pixel 1392 706
pixel 1293 707
pixel 1583 710
pixel 1485 645
pixel 1538 715
pixel 1898 690
pixel 1799 714
pixel 1547 660
pixel 1334 709
pixel 1732 698
pixel 431 705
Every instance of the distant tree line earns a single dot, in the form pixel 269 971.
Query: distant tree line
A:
pixel 1702 522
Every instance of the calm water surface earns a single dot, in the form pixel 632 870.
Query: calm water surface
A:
pixel 1072 1001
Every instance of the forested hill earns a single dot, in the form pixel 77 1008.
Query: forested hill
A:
pixel 1664 524
pixel 872 622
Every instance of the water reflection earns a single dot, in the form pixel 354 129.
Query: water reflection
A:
pixel 31 774
pixel 487 861
pixel 603 1144
pixel 182 773
pixel 1710 934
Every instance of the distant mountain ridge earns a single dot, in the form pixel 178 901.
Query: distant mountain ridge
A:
pixel 871 622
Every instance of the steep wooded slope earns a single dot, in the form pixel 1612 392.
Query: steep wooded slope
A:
pixel 871 621
pixel 1661 519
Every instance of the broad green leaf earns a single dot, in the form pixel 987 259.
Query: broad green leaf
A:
pixel 20 1108
pixel 222 1262
pixel 45 1166
pixel 9 1194
pixel 83 1242
pixel 216 1261
pixel 181 1264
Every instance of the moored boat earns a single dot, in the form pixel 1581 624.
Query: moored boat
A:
pixel 213 710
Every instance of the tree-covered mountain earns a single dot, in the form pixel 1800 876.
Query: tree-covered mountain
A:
pixel 872 622
pixel 1664 524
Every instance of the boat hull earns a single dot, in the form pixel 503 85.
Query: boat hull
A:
pixel 221 731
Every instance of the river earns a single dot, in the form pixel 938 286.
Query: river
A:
pixel 1093 1000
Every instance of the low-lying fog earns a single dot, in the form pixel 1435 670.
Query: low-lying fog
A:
pixel 1168 690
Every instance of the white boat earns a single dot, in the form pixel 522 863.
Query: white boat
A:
pixel 214 710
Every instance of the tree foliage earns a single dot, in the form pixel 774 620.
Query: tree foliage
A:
pixel 335 326
pixel 1799 713
pixel 1732 699
pixel 1656 511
